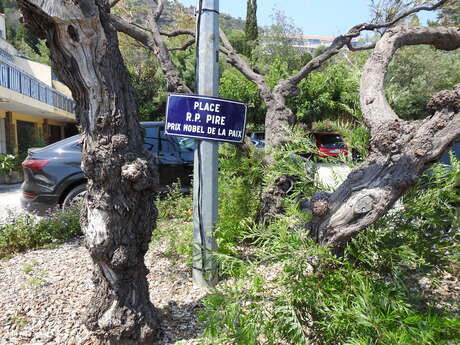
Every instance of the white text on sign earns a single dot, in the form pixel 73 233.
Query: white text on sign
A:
pixel 205 106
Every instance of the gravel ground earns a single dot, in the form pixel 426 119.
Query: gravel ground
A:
pixel 43 294
pixel 9 199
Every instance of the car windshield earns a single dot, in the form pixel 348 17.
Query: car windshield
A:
pixel 259 136
pixel 331 141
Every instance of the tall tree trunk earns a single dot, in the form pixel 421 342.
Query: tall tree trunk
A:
pixel 400 150
pixel 119 214
pixel 279 119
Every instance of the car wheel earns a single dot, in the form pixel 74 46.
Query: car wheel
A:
pixel 75 195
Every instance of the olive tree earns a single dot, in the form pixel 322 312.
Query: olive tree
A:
pixel 119 213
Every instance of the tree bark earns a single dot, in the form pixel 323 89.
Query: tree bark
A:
pixel 400 151
pixel 119 213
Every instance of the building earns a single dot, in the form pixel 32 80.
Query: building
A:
pixel 311 43
pixel 33 105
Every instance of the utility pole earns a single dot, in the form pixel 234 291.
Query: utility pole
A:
pixel 205 162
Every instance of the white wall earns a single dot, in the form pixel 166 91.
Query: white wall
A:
pixel 38 70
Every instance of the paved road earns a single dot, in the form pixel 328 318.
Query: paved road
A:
pixel 9 199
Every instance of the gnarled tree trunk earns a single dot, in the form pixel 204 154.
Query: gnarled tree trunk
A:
pixel 119 212
pixel 400 150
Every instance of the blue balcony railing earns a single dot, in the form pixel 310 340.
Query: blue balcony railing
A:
pixel 16 79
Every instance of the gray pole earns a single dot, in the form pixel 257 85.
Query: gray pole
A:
pixel 205 162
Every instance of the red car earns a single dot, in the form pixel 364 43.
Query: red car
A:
pixel 330 145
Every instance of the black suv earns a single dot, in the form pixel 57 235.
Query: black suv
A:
pixel 53 177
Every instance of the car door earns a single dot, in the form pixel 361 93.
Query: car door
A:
pixel 172 163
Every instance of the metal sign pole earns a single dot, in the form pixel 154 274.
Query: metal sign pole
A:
pixel 205 162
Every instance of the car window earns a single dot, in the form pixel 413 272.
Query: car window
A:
pixel 455 151
pixel 151 139
pixel 167 144
pixel 259 136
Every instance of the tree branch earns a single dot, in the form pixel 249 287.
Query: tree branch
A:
pixel 360 48
pixel 187 44
pixel 177 32
pixel 114 3
pixel 400 150
pixel 140 27
pixel 240 64
pixel 345 40
pixel 375 107
pixel 153 42
pixel 174 33
pixel 356 30
pixel 159 10
pixel 131 29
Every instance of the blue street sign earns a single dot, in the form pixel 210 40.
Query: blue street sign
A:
pixel 204 117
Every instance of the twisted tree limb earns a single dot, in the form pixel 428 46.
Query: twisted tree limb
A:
pixel 400 150
pixel 186 45
pixel 151 39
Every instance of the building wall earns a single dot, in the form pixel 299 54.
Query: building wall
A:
pixel 39 123
pixel 2 26
pixel 28 93
pixel 62 88
pixel 8 48
pixel 38 70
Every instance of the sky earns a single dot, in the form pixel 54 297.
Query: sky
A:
pixel 314 17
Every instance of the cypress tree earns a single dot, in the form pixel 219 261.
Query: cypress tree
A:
pixel 251 31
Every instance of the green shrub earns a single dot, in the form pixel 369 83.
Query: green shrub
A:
pixel 240 178
pixel 24 231
pixel 174 228
pixel 288 290
pixel 174 204
pixel 7 163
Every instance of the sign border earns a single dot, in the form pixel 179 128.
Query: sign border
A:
pixel 211 98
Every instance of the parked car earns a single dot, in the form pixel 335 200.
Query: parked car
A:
pixel 330 144
pixel 257 138
pixel 53 177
